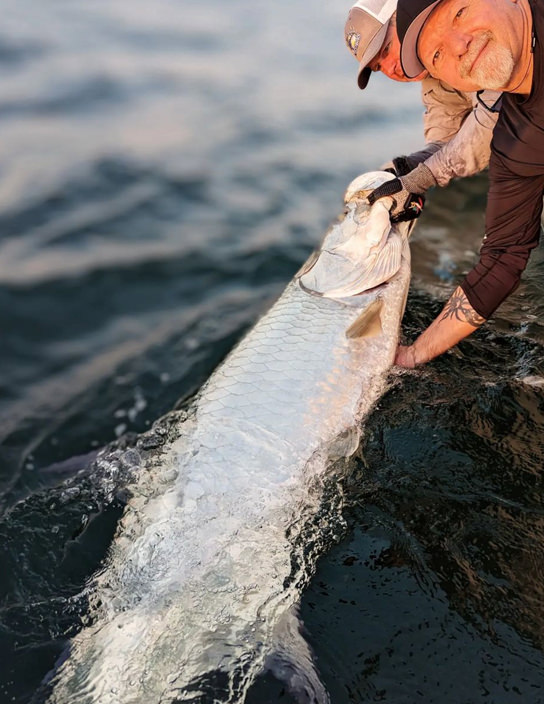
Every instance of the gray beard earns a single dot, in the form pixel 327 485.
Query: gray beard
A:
pixel 494 70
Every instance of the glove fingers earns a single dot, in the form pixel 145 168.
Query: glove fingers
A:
pixel 406 205
pixel 412 208
pixel 388 188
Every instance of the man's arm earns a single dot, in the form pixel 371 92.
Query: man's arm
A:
pixel 458 129
pixel 514 207
pixel 463 130
pixel 468 151
pixel 456 321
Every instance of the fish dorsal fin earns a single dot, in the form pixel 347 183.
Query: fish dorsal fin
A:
pixel 369 323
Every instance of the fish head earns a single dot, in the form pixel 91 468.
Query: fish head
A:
pixel 361 251
pixel 364 184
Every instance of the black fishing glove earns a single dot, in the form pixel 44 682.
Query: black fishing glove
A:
pixel 406 191
pixel 399 166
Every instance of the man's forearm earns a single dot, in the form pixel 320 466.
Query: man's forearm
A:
pixel 457 320
pixel 468 151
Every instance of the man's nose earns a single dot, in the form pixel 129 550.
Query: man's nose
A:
pixel 389 66
pixel 459 43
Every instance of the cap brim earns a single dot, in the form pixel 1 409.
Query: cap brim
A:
pixel 363 77
pixel 371 51
pixel 409 59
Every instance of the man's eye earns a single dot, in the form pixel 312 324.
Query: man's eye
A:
pixel 436 56
pixel 386 50
pixel 460 13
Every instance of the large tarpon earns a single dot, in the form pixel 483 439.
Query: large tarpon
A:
pixel 208 558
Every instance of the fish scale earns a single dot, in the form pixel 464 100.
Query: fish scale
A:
pixel 309 365
pixel 209 556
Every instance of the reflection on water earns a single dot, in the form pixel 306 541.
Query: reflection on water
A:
pixel 165 168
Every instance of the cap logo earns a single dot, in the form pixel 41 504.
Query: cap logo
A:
pixel 352 40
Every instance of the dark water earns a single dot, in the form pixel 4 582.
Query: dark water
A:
pixel 164 169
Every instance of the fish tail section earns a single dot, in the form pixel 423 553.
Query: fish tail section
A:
pixel 292 662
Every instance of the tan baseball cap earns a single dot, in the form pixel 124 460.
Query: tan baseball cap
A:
pixel 365 32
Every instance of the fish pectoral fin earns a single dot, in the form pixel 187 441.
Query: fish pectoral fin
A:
pixel 369 323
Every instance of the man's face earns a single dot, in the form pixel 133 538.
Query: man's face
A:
pixel 472 44
pixel 388 60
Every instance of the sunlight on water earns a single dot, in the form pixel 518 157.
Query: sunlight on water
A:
pixel 165 169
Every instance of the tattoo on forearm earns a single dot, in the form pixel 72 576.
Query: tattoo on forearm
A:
pixel 459 308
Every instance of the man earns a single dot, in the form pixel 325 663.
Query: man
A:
pixel 473 44
pixel 457 125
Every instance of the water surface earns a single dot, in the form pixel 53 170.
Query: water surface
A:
pixel 165 169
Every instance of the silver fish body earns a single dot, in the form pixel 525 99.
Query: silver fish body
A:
pixel 206 564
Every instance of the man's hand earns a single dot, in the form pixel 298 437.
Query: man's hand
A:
pixel 405 191
pixel 399 166
pixel 405 357
pixel 406 205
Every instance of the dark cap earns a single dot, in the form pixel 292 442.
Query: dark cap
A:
pixel 411 16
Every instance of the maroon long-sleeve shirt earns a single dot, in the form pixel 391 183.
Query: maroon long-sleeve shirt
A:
pixel 516 188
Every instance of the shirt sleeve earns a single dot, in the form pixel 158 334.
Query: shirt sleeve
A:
pixel 467 152
pixel 416 158
pixel 445 110
pixel 514 207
